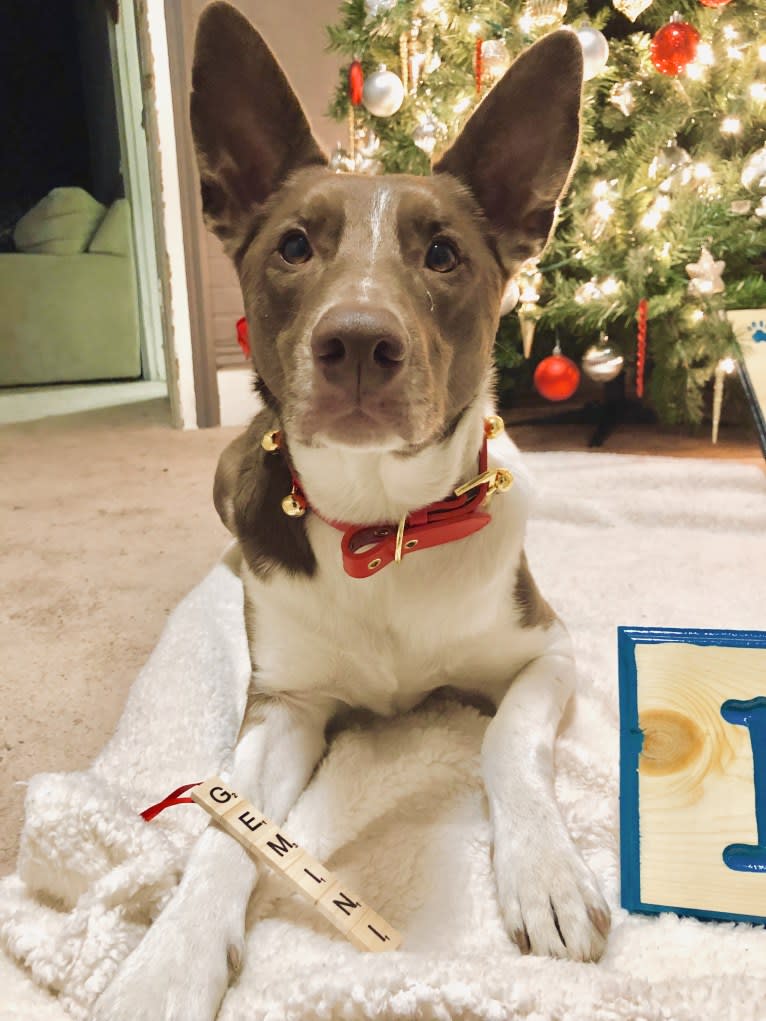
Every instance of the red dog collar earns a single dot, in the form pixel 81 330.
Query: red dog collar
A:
pixel 367 549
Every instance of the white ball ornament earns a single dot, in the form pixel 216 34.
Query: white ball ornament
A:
pixel 510 298
pixel 376 7
pixel 495 58
pixel 595 51
pixel 754 171
pixel 383 92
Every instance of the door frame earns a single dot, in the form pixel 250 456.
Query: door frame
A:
pixel 180 22
pixel 126 74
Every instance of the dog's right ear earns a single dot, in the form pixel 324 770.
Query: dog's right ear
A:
pixel 517 150
pixel 249 129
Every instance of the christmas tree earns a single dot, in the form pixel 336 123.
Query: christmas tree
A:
pixel 664 225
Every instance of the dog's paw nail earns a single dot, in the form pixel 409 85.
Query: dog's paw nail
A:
pixel 234 959
pixel 521 939
pixel 601 920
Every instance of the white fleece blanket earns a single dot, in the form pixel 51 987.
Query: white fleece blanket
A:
pixel 397 806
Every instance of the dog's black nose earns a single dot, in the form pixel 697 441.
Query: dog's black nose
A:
pixel 359 347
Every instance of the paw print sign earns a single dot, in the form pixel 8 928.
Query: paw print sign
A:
pixel 749 326
pixel 693 772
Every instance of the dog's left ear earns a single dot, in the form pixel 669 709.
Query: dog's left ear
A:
pixel 249 129
pixel 517 150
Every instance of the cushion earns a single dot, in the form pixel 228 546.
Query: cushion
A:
pixel 60 224
pixel 113 234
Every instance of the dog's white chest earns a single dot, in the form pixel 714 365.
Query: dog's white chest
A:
pixel 444 616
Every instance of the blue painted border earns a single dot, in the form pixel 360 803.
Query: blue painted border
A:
pixel 631 741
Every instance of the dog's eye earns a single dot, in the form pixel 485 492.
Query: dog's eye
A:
pixel 295 248
pixel 442 257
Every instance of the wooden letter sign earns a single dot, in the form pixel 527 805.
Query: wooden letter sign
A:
pixel 693 772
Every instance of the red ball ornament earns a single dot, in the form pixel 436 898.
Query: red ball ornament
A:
pixel 714 3
pixel 556 378
pixel 674 46
pixel 355 82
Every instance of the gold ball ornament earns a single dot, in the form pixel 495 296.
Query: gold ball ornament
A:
pixel 631 8
pixel 538 14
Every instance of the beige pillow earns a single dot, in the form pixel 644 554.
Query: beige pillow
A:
pixel 60 224
pixel 113 234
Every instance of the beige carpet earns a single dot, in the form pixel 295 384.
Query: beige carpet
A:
pixel 106 521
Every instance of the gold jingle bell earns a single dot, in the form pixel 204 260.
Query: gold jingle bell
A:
pixel 493 426
pixel 293 506
pixel 502 481
pixel 271 440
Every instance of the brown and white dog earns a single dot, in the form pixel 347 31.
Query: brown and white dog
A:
pixel 372 305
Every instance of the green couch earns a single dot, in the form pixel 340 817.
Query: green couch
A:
pixel 68 308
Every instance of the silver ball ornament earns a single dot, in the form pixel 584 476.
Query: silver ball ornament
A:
pixel 510 298
pixel 754 171
pixel 383 92
pixel 602 363
pixel 672 167
pixel 595 51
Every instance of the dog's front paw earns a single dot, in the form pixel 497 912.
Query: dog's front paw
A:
pixel 549 897
pixel 179 972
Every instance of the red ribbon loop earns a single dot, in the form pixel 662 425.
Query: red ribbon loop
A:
pixel 172 799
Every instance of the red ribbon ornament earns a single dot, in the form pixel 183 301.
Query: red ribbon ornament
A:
pixel 355 83
pixel 641 316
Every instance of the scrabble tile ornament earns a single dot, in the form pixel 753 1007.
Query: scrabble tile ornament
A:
pixel 268 843
pixel 693 772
